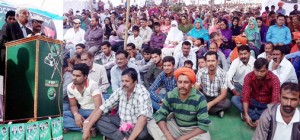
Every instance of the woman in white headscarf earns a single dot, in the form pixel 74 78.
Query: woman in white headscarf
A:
pixel 174 37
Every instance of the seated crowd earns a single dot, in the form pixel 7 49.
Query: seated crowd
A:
pixel 171 75
pixel 175 70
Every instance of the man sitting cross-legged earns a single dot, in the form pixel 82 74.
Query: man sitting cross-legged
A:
pixel 189 109
pixel 261 87
pixel 134 109
pixel 212 81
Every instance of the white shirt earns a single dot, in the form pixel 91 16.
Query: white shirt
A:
pixel 23 29
pixel 262 55
pixel 137 41
pixel 99 75
pixel 284 131
pixel 85 100
pixel 180 59
pixel 238 71
pixel 75 37
pixel 285 71
pixel 145 34
pixel 103 16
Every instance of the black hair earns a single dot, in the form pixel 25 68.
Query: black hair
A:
pixel 279 48
pixel 81 45
pixel 135 28
pixel 187 43
pixel 122 52
pixel 235 18
pixel 267 8
pixel 259 18
pixel 243 48
pixel 213 34
pixel 201 40
pixel 156 51
pixel 89 54
pixel 273 6
pixel 96 18
pixel 131 72
pixel 169 59
pixel 156 24
pixel 211 53
pixel 120 18
pixel 280 15
pixel 107 43
pixel 201 57
pixel 225 22
pixel 144 19
pixel 290 86
pixel 147 50
pixel 260 62
pixel 269 42
pixel 188 62
pixel 271 13
pixel 10 13
pixel 131 45
pixel 84 68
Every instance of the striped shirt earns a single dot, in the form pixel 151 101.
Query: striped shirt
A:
pixel 191 112
pixel 162 80
pixel 131 109
pixel 212 88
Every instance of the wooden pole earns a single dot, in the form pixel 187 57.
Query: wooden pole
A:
pixel 127 21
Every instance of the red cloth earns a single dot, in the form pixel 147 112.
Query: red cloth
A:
pixel 264 91
pixel 296 35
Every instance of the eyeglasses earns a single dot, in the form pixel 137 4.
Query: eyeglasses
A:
pixel 238 43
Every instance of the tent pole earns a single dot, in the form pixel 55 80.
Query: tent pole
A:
pixel 127 21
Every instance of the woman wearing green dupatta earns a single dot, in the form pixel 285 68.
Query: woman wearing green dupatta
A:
pixel 252 33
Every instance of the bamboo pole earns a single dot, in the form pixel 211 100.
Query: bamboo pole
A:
pixel 127 21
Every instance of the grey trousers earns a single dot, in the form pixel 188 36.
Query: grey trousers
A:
pixel 108 125
pixel 93 49
pixel 221 106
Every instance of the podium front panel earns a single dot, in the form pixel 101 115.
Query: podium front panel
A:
pixel 20 81
pixel 33 86
pixel 50 90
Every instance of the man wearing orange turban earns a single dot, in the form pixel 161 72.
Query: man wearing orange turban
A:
pixel 187 72
pixel 296 37
pixel 185 100
pixel 239 41
pixel 280 9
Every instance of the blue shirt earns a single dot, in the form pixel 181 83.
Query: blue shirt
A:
pixel 116 74
pixel 278 34
pixel 162 80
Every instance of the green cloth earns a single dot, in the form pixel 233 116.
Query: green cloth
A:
pixel 185 29
pixel 253 35
pixel 250 33
pixel 191 112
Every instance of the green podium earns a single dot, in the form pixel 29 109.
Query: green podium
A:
pixel 33 82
